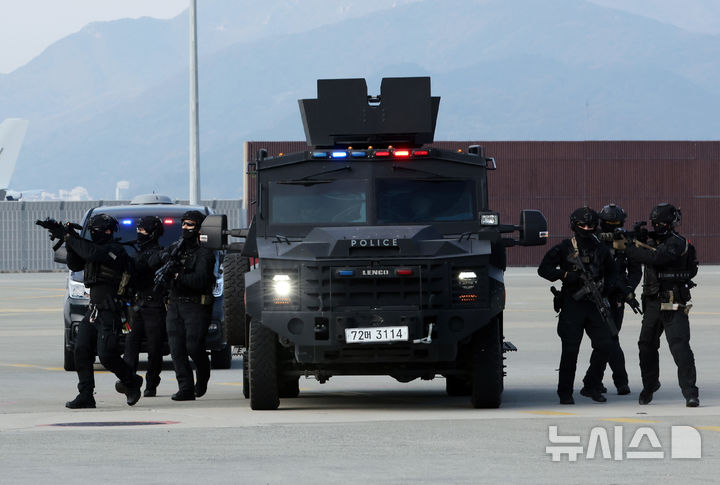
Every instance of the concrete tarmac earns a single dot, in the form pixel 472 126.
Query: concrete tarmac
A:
pixel 356 429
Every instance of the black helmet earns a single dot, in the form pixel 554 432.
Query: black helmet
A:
pixel 100 223
pixel 664 218
pixel 153 225
pixel 192 233
pixel 154 228
pixel 193 215
pixel 584 216
pixel 611 217
pixel 103 222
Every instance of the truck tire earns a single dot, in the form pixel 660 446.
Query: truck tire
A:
pixel 234 268
pixel 263 368
pixel 246 377
pixel 487 367
pixel 69 359
pixel 221 359
pixel 290 387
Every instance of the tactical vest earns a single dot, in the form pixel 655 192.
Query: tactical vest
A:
pixel 673 274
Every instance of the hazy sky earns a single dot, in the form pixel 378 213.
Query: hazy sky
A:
pixel 27 27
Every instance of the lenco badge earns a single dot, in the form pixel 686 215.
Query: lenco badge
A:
pixel 374 243
pixel 375 272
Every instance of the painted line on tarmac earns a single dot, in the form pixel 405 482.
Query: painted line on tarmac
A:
pixel 38 288
pixel 11 311
pixel 33 366
pixel 709 428
pixel 32 297
pixel 229 384
pixel 628 420
pixel 550 413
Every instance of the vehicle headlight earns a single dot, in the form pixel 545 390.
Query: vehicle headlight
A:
pixel 77 290
pixel 282 287
pixel 491 219
pixel 467 280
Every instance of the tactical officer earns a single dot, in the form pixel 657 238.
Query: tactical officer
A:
pixel 582 256
pixel 104 261
pixel 150 313
pixel 670 264
pixel 628 274
pixel 190 308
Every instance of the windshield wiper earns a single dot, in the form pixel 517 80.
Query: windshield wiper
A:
pixel 436 175
pixel 305 182
pixel 309 180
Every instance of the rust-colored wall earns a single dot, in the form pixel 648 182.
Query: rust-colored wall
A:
pixel 558 177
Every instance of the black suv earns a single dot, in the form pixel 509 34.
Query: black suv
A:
pixel 77 298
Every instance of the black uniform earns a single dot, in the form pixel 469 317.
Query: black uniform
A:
pixel 628 275
pixel 190 311
pixel 103 263
pixel 578 315
pixel 150 315
pixel 668 272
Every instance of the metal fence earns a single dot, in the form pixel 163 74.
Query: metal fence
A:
pixel 25 246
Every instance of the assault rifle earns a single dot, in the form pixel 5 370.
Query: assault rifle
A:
pixel 592 289
pixel 638 236
pixel 165 273
pixel 58 229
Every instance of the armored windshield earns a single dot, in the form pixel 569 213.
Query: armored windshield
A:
pixel 409 201
pixel 319 202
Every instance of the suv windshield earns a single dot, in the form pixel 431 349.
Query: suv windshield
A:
pixel 403 200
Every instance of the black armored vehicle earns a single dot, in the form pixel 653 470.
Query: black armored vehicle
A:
pixel 371 253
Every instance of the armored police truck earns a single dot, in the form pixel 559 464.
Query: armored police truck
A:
pixel 371 253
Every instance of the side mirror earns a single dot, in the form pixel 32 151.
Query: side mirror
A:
pixel 533 228
pixel 60 255
pixel 213 232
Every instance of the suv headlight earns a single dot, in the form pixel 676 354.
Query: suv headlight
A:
pixel 77 290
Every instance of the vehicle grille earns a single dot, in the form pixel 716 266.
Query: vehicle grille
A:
pixel 425 289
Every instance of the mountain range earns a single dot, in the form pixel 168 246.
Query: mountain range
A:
pixel 110 102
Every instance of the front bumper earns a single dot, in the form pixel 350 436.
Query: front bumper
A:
pixel 320 337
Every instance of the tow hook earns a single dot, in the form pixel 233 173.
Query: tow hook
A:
pixel 428 339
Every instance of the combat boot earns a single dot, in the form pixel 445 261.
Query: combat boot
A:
pixel 692 402
pixel 183 396
pixel 593 394
pixel 646 395
pixel 623 390
pixel 133 393
pixel 120 387
pixel 82 401
pixel 201 385
pixel 151 386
